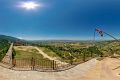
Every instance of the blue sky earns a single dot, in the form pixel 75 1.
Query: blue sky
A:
pixel 60 19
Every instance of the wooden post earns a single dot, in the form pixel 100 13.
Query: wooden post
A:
pixel 84 57
pixel 91 54
pixel 53 65
pixel 14 62
pixel 32 63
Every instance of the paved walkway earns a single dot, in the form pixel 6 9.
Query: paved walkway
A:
pixel 72 74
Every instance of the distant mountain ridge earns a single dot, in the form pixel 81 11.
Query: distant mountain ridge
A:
pixel 14 40
pixel 9 38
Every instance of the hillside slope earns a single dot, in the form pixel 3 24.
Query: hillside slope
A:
pixel 14 40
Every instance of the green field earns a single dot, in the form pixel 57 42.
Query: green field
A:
pixel 26 53
pixel 49 52
pixel 70 51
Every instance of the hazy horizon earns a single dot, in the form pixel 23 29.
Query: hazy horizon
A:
pixel 98 38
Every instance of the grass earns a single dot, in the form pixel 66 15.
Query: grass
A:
pixel 48 52
pixel 24 56
pixel 65 54
pixel 20 54
pixel 27 53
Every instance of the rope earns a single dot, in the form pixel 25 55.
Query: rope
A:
pixel 94 37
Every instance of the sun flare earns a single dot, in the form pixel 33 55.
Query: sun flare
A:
pixel 30 5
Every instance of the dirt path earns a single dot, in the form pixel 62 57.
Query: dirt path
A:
pixel 44 54
pixel 106 72
pixel 50 58
pixel 103 71
pixel 71 74
pixel 91 70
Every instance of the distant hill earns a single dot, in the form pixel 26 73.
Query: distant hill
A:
pixel 11 39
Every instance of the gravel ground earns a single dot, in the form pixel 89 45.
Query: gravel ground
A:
pixel 71 74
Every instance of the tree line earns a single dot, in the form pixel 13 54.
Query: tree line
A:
pixel 4 46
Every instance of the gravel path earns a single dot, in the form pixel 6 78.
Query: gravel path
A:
pixel 72 74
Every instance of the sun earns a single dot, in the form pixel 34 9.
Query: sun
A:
pixel 29 5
